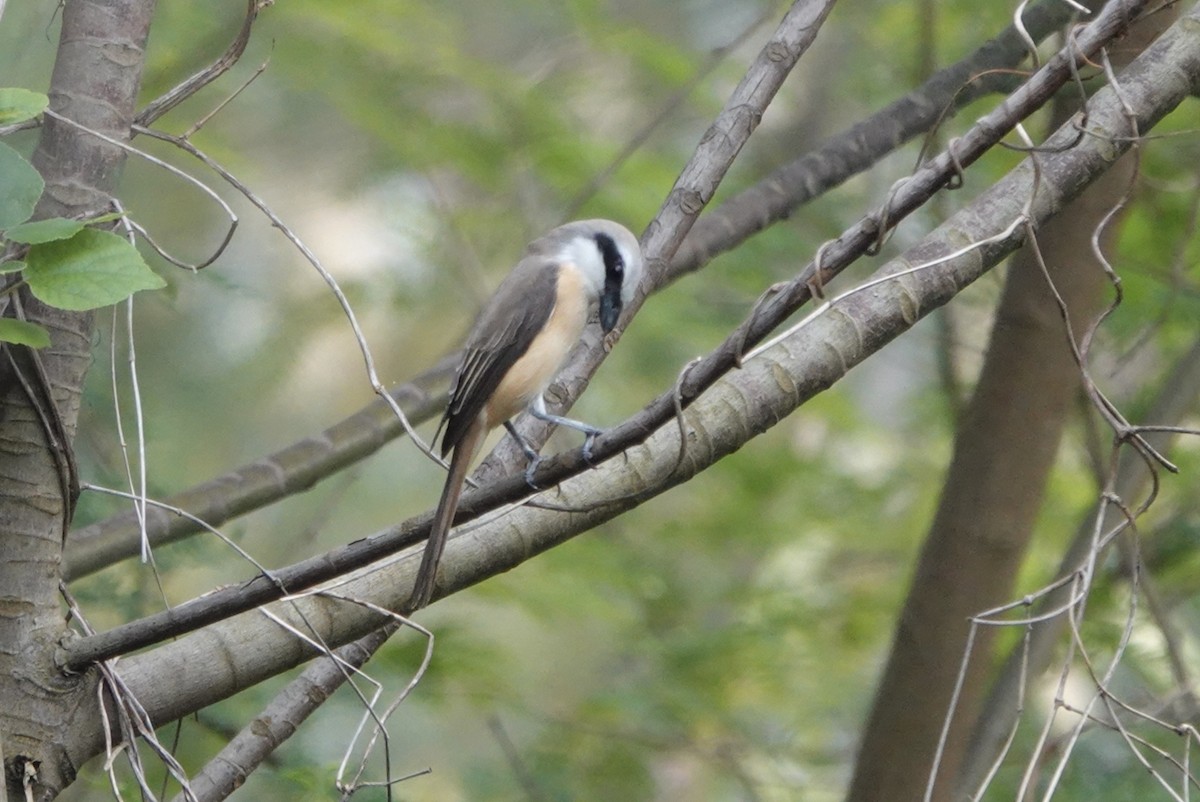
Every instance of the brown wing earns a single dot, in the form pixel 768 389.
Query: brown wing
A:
pixel 512 318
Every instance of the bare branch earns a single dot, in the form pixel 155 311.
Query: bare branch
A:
pixel 280 719
pixel 998 715
pixel 725 137
pixel 850 152
pixel 212 72
pixel 665 111
pixel 765 391
pixel 693 189
pixel 250 487
pixel 1078 165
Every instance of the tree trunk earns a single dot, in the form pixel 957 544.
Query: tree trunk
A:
pixel 96 77
pixel 1006 446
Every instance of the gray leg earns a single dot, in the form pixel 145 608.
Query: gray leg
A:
pixel 531 455
pixel 538 410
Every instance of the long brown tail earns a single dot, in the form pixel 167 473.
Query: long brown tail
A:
pixel 464 452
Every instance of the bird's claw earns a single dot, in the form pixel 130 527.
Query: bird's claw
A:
pixel 587 447
pixel 534 461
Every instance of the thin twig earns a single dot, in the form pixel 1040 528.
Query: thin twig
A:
pixel 138 489
pixel 125 146
pixel 315 263
pixel 212 72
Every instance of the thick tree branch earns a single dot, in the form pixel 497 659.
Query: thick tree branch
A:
pixel 765 318
pixel 280 719
pixel 297 467
pixel 697 182
pixel 741 405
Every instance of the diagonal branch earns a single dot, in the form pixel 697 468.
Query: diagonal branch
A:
pixel 695 185
pixel 706 372
pixel 742 404
pixel 280 719
pixel 852 151
pixel 724 139
pixel 161 105
pixel 297 467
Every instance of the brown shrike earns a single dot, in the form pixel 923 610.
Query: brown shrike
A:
pixel 519 342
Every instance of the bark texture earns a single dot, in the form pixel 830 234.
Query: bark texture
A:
pixel 95 81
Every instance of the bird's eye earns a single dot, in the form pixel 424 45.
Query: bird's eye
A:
pixel 610 254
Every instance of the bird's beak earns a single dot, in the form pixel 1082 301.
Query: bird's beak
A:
pixel 610 308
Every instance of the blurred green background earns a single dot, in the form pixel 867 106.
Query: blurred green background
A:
pixel 720 642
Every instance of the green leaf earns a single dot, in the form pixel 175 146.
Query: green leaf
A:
pixel 89 270
pixel 44 230
pixel 22 332
pixel 20 187
pixel 18 105
pixel 15 266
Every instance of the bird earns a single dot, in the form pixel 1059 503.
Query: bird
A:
pixel 518 344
